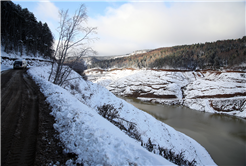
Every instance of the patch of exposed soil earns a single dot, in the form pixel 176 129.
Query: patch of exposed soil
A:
pixel 228 105
pixel 49 147
pixel 220 95
pixel 141 93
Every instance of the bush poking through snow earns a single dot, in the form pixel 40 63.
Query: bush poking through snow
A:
pixel 75 87
pixel 110 113
pixel 168 154
pixel 149 145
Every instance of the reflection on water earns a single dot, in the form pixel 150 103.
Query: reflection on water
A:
pixel 223 136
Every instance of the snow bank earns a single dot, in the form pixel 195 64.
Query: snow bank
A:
pixel 7 60
pixel 214 83
pixel 86 133
pixel 196 90
pixel 218 92
pixel 104 78
pixel 6 67
pixel 95 140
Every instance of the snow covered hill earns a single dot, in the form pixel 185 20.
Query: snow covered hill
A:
pixel 95 140
pixel 209 91
pixel 93 59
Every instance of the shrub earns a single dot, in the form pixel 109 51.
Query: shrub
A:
pixel 75 87
pixel 168 154
pixel 110 113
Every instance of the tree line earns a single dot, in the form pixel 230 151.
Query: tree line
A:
pixel 209 55
pixel 22 33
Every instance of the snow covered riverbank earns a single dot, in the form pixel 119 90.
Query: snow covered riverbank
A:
pixel 209 91
pixel 97 141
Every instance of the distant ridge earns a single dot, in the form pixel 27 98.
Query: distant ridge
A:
pixel 119 56
pixel 210 55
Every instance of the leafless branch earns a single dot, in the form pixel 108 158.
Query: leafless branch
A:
pixel 69 30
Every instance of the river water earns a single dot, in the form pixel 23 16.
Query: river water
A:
pixel 223 136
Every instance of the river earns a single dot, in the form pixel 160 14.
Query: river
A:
pixel 223 136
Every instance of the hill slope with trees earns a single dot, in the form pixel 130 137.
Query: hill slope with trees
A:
pixel 22 33
pixel 210 55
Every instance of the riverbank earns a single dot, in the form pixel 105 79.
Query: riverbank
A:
pixel 222 92
pixel 223 136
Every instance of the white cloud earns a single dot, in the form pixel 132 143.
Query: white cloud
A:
pixel 47 12
pixel 145 25
pixel 47 9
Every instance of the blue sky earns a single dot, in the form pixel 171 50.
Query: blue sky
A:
pixel 125 26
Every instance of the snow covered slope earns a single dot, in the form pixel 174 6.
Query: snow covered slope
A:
pixel 210 91
pixel 221 92
pixel 95 140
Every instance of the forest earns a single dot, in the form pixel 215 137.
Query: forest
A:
pixel 21 33
pixel 209 55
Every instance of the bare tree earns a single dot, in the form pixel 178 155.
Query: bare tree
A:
pixel 74 38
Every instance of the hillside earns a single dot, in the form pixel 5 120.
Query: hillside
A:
pixel 122 136
pixel 86 136
pixel 22 34
pixel 79 65
pixel 210 55
pixel 209 91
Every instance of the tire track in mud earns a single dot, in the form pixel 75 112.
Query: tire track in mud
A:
pixel 19 119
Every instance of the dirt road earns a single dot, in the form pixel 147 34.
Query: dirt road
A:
pixel 19 119
pixel 27 133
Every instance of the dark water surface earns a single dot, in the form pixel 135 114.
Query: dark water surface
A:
pixel 223 136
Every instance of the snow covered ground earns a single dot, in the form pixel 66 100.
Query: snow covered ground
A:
pixel 209 91
pixel 7 60
pixel 95 140
pixel 6 67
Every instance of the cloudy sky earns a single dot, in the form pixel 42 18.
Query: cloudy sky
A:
pixel 126 26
